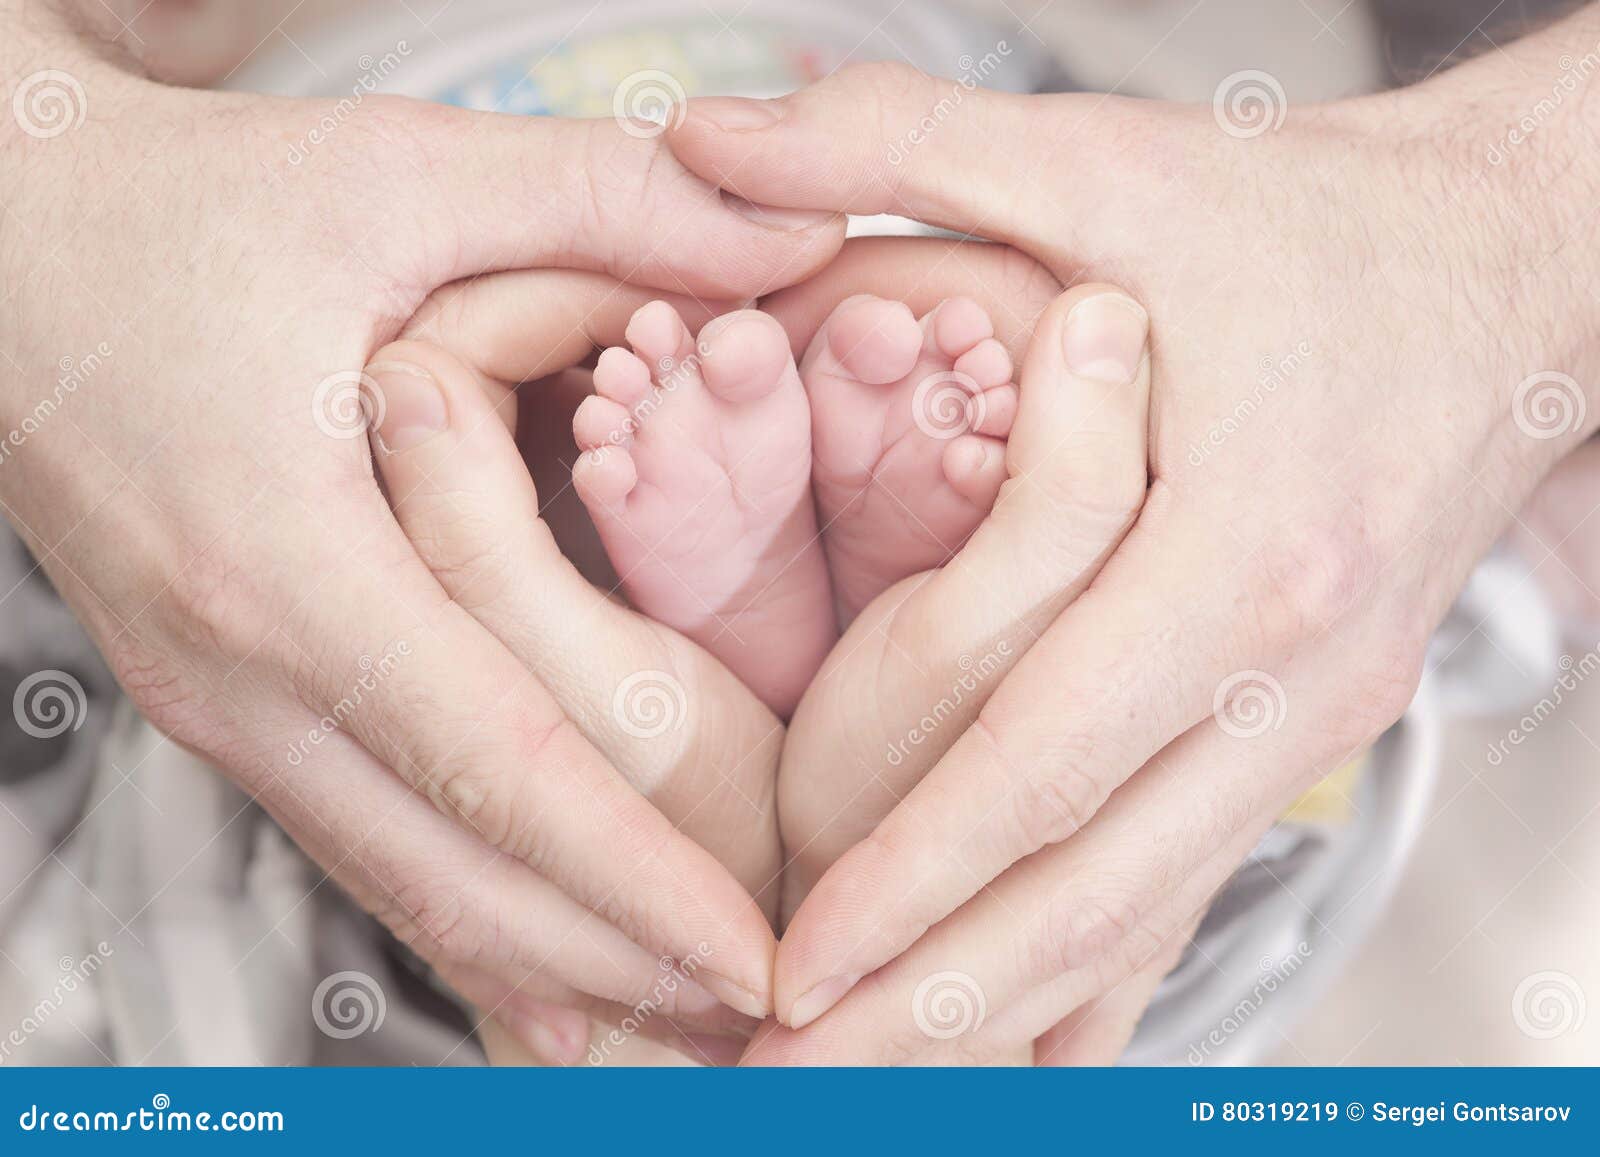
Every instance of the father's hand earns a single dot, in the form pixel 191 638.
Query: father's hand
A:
pixel 197 280
pixel 1363 331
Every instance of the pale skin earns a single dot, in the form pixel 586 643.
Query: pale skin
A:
pixel 463 495
pixel 1429 283
pixel 1319 543
pixel 235 561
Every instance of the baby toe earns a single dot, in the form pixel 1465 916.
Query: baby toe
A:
pixel 744 356
pixel 603 478
pixel 975 467
pixel 994 411
pixel 956 325
pixel 658 335
pixel 872 340
pixel 986 363
pixel 622 377
pixel 601 422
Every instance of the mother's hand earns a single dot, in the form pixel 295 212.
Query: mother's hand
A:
pixel 1343 308
pixel 198 279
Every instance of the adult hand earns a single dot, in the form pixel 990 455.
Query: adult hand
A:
pixel 1360 320
pixel 197 280
pixel 917 665
pixel 673 721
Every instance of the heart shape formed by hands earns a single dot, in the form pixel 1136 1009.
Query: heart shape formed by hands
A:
pixel 742 549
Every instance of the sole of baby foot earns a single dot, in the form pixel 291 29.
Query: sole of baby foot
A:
pixel 696 470
pixel 909 421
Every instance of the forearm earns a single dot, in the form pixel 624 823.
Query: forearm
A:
pixel 1526 144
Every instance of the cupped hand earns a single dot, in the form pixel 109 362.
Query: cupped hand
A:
pixel 1359 328
pixel 201 493
pixel 917 666
pixel 683 731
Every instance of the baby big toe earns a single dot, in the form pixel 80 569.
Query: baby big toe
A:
pixel 873 340
pixel 744 355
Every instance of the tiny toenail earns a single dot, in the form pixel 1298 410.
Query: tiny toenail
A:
pixel 770 217
pixel 410 407
pixel 737 114
pixel 1103 338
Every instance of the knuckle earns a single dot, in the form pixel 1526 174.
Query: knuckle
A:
pixel 1370 704
pixel 1079 932
pixel 428 915
pixel 171 697
pixel 1312 579
pixel 215 603
pixel 1055 804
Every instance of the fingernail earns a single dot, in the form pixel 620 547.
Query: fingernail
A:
pixel 820 998
pixel 1103 338
pixel 733 995
pixel 737 114
pixel 769 217
pixel 410 406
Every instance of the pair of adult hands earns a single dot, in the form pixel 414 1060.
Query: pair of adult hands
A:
pixel 235 561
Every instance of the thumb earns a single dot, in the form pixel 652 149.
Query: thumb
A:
pixel 884 138
pixel 456 193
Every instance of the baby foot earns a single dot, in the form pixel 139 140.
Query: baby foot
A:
pixel 909 421
pixel 697 471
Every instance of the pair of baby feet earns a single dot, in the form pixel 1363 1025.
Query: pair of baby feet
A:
pixel 757 506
